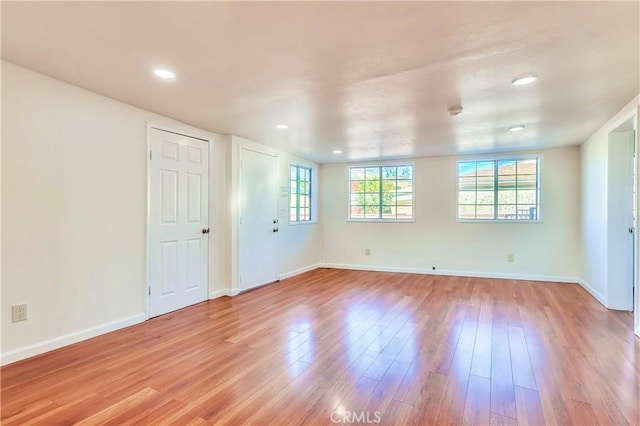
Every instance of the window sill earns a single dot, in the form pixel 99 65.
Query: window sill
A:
pixel 308 222
pixel 382 220
pixel 521 222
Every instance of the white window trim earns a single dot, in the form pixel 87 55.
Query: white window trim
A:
pixel 313 210
pixel 494 158
pixel 379 164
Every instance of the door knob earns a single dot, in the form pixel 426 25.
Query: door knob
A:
pixel 631 230
pixel 205 230
pixel 275 229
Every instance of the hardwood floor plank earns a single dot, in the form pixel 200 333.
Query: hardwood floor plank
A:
pixel 478 401
pixel 520 363
pixel 377 369
pixel 383 394
pixel 157 416
pixel 503 399
pixel 528 405
pixel 413 349
pixel 18 414
pixel 429 399
pixel 481 365
pixel 580 412
pixel 57 414
pixel 549 390
pixel 123 406
pixel 397 413
pixel 500 420
pixel 451 410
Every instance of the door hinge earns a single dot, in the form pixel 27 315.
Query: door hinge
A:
pixel 149 291
pixel 240 278
pixel 150 155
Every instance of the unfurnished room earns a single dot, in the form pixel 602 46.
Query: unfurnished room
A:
pixel 318 213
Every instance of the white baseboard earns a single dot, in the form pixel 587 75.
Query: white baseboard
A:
pixel 499 275
pixel 299 271
pixel 235 291
pixel 596 294
pixel 224 292
pixel 217 293
pixel 68 339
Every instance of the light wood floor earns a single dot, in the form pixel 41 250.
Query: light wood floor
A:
pixel 349 345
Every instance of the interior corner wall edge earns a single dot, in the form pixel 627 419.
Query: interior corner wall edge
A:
pixel 74 208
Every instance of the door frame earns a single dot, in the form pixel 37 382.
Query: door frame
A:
pixel 147 240
pixel 614 285
pixel 635 119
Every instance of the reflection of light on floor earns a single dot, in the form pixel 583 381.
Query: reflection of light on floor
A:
pixel 299 344
pixel 409 350
pixel 412 372
pixel 297 368
pixel 375 328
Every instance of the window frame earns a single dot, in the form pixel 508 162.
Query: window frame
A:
pixel 381 164
pixel 517 157
pixel 312 218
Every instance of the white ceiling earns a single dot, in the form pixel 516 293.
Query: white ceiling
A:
pixel 373 79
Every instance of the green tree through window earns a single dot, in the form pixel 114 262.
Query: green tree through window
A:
pixel 300 194
pixel 381 192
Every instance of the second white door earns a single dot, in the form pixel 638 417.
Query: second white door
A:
pixel 259 225
pixel 620 220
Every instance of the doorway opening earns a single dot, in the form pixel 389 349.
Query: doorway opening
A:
pixel 621 217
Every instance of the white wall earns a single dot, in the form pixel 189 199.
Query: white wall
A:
pixel 594 215
pixel 74 211
pixel 299 245
pixel 547 250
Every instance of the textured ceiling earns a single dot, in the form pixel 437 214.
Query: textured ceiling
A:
pixel 373 79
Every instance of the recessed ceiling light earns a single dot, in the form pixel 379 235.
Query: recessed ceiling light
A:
pixel 282 126
pixel 524 79
pixel 166 74
pixel 337 151
pixel 516 128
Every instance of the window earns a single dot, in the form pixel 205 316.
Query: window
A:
pixel 300 194
pixel 499 190
pixel 381 192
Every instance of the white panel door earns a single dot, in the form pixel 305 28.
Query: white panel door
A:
pixel 620 220
pixel 258 219
pixel 178 221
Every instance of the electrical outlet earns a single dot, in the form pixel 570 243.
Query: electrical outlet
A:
pixel 19 313
pixel 367 252
pixel 510 257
